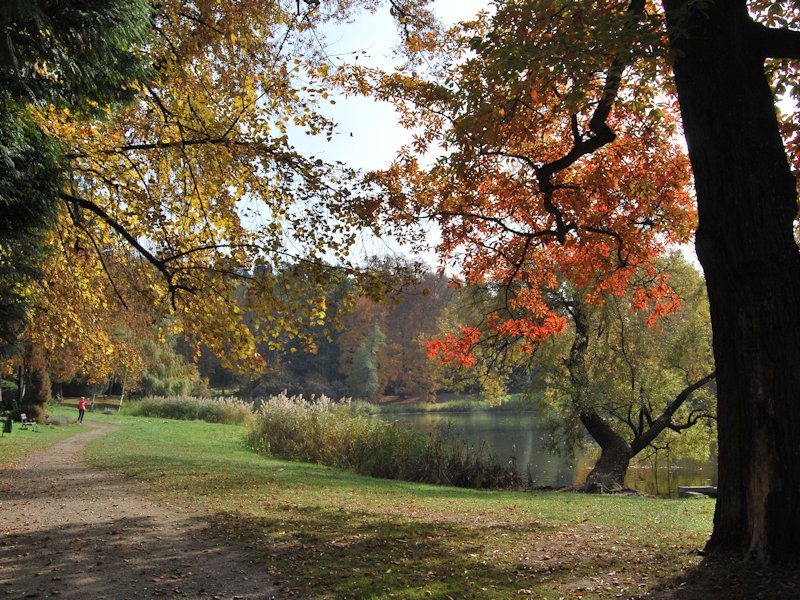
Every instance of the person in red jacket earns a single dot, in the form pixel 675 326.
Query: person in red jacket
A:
pixel 82 408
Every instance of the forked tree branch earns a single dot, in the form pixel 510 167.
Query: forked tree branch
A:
pixel 600 134
pixel 664 421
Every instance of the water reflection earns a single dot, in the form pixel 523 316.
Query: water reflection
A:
pixel 517 436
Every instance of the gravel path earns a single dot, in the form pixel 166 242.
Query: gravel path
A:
pixel 71 531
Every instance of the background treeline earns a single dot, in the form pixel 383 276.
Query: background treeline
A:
pixel 363 348
pixel 360 348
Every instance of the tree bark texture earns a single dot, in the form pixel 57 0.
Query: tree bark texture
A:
pixel 747 201
pixel 608 473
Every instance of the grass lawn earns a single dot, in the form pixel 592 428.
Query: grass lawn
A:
pixel 328 534
pixel 20 442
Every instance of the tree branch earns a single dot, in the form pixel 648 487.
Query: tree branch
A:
pixel 776 43
pixel 115 225
pixel 599 133
pixel 499 222
pixel 665 420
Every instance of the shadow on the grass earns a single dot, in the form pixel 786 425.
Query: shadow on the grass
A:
pixel 318 553
pixel 729 578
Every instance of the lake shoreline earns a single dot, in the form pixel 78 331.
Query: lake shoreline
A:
pixel 519 438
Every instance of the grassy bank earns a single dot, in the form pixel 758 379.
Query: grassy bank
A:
pixel 329 534
pixel 20 442
pixel 454 403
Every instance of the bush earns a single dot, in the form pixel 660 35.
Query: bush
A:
pixel 189 408
pixel 335 434
pixel 60 420
pixel 307 384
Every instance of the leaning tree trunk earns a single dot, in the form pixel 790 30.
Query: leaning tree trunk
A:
pixel 746 202
pixel 608 473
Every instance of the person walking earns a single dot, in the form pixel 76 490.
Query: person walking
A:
pixel 82 408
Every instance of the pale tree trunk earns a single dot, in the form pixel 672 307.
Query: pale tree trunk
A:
pixel 20 384
pixel 747 202
pixel 122 388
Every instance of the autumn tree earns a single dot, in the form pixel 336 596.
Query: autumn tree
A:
pixel 628 381
pixel 413 319
pixel 200 175
pixel 408 316
pixel 356 326
pixel 299 367
pixel 221 380
pixel 488 369
pixel 74 55
pixel 560 126
pixel 165 128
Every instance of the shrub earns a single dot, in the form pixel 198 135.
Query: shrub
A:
pixel 189 408
pixel 333 433
pixel 306 384
pixel 60 420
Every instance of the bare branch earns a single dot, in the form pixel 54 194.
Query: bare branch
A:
pixel 664 421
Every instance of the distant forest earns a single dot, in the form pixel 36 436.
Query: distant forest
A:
pixel 363 348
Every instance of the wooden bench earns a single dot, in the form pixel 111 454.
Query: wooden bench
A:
pixel 25 422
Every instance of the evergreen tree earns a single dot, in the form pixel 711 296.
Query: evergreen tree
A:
pixel 75 54
pixel 364 380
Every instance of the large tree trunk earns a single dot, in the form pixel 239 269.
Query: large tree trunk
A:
pixel 608 474
pixel 747 202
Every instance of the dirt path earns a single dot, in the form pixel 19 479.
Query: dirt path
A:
pixel 70 531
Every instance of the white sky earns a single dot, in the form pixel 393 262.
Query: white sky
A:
pixel 368 135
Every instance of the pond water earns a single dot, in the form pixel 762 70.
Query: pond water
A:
pixel 510 436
